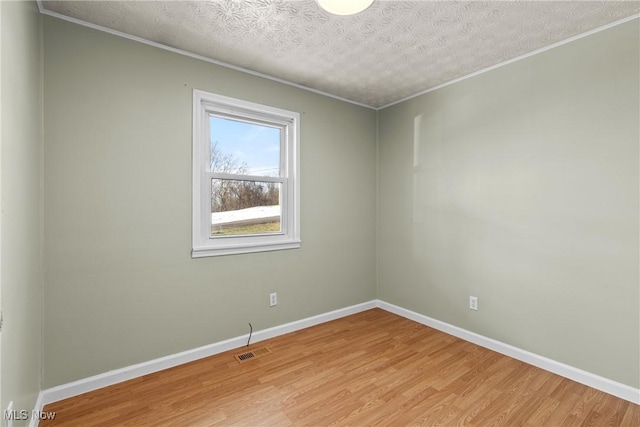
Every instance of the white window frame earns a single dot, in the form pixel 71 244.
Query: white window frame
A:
pixel 205 245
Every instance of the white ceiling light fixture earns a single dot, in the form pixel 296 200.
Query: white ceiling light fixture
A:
pixel 344 7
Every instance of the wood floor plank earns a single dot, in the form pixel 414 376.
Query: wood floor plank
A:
pixel 371 368
pixel 631 417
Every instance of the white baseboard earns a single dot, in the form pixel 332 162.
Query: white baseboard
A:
pixel 606 385
pixel 75 388
pixel 96 382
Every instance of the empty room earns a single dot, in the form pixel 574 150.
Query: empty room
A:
pixel 320 212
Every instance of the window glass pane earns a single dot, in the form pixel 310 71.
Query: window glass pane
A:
pixel 244 148
pixel 244 207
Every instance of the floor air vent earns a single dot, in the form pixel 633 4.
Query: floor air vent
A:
pixel 253 354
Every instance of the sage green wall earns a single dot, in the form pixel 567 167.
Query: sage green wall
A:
pixel 120 284
pixel 21 177
pixel 524 194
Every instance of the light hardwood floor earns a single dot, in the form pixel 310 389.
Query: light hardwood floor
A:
pixel 371 368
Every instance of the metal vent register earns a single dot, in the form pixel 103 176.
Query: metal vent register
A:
pixel 250 355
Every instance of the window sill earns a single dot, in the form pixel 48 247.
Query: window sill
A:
pixel 244 249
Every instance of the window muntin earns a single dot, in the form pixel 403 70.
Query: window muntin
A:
pixel 245 189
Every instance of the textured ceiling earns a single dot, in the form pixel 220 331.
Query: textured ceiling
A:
pixel 391 51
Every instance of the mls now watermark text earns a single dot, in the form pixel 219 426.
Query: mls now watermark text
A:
pixel 23 415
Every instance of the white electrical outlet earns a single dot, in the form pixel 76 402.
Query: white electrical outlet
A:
pixel 473 303
pixel 273 299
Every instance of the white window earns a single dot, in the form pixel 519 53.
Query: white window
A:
pixel 245 177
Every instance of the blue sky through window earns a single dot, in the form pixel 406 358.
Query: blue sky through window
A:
pixel 257 146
